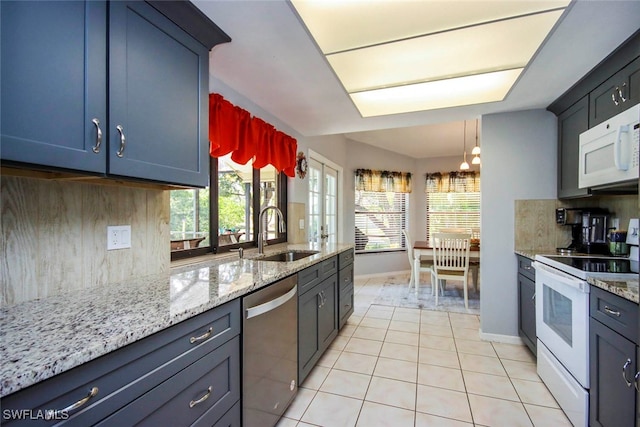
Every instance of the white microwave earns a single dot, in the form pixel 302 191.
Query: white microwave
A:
pixel 609 151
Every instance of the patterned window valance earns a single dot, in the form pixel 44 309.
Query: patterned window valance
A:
pixel 453 182
pixel 383 181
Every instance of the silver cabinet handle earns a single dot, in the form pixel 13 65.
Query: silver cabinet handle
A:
pixel 621 93
pixel 612 312
pixel 202 399
pixel 527 267
pixel 123 140
pixel 92 393
pixel 624 372
pixel 613 96
pixel 96 148
pixel 636 377
pixel 204 336
pixel 533 298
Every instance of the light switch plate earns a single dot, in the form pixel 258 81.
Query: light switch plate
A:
pixel 301 224
pixel 118 237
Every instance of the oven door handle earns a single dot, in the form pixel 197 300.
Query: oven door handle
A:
pixel 561 277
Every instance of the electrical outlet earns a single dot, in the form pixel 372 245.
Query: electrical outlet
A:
pixel 301 224
pixel 118 237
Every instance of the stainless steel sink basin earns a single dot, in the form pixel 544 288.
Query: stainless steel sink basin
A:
pixel 288 256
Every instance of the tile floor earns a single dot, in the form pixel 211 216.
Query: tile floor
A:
pixel 399 366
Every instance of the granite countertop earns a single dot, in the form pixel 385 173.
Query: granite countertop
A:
pixel 627 289
pixel 45 337
pixel 532 252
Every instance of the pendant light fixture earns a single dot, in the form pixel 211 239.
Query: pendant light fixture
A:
pixel 464 165
pixel 476 149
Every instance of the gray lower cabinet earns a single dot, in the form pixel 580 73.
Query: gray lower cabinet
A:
pixel 123 93
pixel 317 313
pixel 345 287
pixel 613 359
pixel 527 303
pixel 197 360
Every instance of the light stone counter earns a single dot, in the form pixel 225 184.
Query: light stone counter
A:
pixel 43 338
pixel 627 289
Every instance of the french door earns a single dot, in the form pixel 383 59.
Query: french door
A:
pixel 323 201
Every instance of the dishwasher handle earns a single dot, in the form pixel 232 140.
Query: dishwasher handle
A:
pixel 271 305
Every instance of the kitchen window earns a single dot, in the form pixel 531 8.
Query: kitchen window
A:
pixel 198 227
pixel 381 210
pixel 453 201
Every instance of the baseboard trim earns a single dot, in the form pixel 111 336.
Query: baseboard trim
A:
pixel 386 273
pixel 505 339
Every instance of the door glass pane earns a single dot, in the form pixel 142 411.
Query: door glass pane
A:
pixel 557 313
pixel 331 204
pixel 314 201
pixel 189 223
pixel 235 210
pixel 269 197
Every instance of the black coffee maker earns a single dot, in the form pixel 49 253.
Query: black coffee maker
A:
pixel 589 228
pixel 595 228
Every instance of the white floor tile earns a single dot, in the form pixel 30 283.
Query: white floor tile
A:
pixel 489 385
pixel 345 383
pixel 362 346
pixel 483 364
pixel 316 377
pixel 439 376
pixel 354 362
pixel 543 417
pixel 443 402
pixel 399 337
pixel 428 420
pixel 369 333
pixel 300 403
pixel 396 369
pixel 399 351
pixel 488 411
pixel 377 415
pixel 332 410
pixel 432 356
pixel 535 393
pixel 392 392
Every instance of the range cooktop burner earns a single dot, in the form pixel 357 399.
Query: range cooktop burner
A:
pixel 595 265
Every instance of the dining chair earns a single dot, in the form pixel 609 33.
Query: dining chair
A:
pixel 425 265
pixel 451 260
pixel 474 265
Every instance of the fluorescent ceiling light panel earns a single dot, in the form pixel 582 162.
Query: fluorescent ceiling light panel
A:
pixel 466 90
pixel 402 50
pixel 338 25
pixel 499 46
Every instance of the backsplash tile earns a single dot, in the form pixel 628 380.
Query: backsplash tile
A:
pixel 54 236
pixel 535 220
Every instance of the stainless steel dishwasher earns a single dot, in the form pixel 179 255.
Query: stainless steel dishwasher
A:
pixel 269 352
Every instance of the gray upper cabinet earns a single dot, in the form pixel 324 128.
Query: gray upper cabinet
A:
pixel 73 64
pixel 53 83
pixel 617 94
pixel 158 98
pixel 571 123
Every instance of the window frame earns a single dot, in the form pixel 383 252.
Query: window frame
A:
pixel 214 248
pixel 404 223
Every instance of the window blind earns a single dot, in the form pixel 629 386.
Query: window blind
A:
pixel 380 218
pixel 453 210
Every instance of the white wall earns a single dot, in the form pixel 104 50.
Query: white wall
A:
pixel 518 162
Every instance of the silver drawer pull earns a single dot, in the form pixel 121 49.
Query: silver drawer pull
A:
pixel 613 96
pixel 202 399
pixel 612 312
pixel 527 267
pixel 96 148
pixel 621 93
pixel 92 393
pixel 204 336
pixel 123 140
pixel 624 372
pixel 636 377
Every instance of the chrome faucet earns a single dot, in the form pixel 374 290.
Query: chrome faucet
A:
pixel 261 231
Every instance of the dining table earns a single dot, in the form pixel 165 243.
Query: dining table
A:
pixel 422 248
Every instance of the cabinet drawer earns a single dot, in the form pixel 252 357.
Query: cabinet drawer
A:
pixel 525 268
pixel 125 374
pixel 345 277
pixel 311 276
pixel 345 258
pixel 202 392
pixel 615 312
pixel 230 419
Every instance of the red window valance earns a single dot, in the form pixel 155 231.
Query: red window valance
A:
pixel 233 130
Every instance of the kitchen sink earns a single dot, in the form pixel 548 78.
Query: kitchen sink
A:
pixel 288 256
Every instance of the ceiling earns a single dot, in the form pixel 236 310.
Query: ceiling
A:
pixel 273 61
